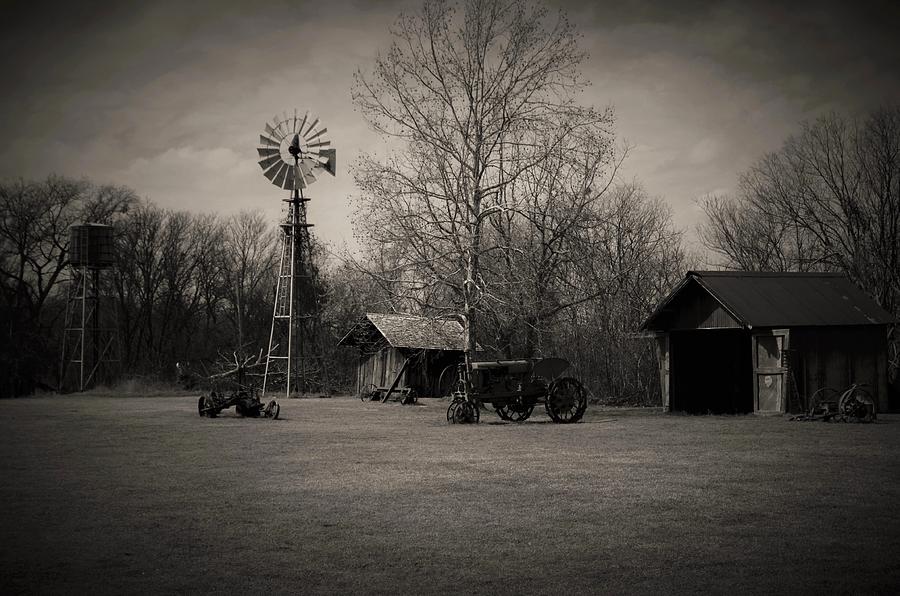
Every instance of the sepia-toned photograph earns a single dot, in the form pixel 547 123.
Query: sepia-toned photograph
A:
pixel 450 297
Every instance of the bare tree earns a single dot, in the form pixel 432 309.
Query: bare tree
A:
pixel 35 217
pixel 828 199
pixel 164 286
pixel 538 238
pixel 473 94
pixel 249 261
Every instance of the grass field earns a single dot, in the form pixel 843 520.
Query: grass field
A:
pixel 121 495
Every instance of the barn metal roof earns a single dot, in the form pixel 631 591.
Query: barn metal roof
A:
pixel 408 331
pixel 762 299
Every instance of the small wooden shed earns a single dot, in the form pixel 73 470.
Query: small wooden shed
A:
pixel 418 349
pixel 737 342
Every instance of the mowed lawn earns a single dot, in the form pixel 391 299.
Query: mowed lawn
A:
pixel 139 494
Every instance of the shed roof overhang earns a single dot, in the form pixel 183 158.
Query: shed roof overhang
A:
pixel 406 332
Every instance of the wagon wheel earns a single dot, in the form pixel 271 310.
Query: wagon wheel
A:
pixel 566 400
pixel 824 402
pixel 448 380
pixel 856 404
pixel 272 410
pixel 409 398
pixel 368 392
pixel 514 412
pixel 208 405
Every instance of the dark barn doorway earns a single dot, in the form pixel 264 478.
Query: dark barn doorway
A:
pixel 711 371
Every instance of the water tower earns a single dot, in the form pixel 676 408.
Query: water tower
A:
pixel 90 351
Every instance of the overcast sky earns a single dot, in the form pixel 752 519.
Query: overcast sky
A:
pixel 169 98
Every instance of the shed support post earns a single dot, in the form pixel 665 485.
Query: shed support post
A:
pixel 396 380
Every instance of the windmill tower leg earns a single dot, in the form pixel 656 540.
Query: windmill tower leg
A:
pixel 278 359
pixel 292 341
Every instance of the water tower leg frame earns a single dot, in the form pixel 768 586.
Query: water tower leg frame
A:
pixel 90 341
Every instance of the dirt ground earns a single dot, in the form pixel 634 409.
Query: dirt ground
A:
pixel 127 495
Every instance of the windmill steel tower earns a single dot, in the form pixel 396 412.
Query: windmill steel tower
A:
pixel 292 151
pixel 90 350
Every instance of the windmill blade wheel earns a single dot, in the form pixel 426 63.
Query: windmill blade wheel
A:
pixel 293 151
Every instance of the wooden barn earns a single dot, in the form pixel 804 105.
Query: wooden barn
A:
pixel 739 342
pixel 415 349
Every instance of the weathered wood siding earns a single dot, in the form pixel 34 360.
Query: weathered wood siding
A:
pixel 422 374
pixel 838 356
pixel 381 368
pixel 695 308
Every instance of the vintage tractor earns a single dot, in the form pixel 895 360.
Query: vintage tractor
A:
pixel 515 387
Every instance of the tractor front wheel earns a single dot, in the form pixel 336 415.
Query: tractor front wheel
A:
pixel 462 412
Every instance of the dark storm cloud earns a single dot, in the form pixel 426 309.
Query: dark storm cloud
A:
pixel 168 97
pixel 816 51
pixel 72 67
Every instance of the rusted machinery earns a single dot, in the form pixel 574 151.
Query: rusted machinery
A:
pixel 854 404
pixel 246 404
pixel 371 392
pixel 515 387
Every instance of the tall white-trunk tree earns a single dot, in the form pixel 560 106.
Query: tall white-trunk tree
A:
pixel 474 94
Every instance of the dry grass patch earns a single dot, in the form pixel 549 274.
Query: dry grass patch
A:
pixel 116 495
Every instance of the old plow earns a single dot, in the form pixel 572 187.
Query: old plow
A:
pixel 854 404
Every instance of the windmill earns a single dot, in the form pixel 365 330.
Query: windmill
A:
pixel 293 151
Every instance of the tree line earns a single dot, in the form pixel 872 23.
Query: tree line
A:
pixel 186 287
pixel 827 200
pixel 498 202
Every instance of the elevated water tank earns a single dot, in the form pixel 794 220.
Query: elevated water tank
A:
pixel 91 245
